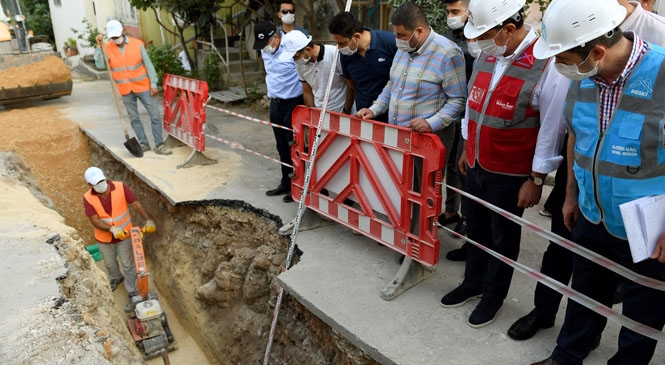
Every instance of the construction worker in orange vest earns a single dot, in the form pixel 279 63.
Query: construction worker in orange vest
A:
pixel 135 78
pixel 107 206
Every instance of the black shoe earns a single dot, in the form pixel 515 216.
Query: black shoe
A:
pixel 115 283
pixel 460 228
pixel 443 221
pixel 279 190
pixel 485 313
pixel 458 254
pixel 287 198
pixel 596 342
pixel 459 296
pixel 527 326
pixel 547 361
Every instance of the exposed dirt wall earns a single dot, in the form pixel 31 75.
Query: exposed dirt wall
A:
pixel 216 263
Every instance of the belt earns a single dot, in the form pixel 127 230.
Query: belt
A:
pixel 280 100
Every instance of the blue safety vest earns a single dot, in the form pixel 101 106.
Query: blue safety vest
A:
pixel 627 160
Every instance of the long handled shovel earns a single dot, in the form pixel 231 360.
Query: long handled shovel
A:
pixel 132 145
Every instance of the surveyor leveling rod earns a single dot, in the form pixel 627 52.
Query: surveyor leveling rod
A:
pixel 301 203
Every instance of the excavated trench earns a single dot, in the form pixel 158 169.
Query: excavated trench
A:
pixel 214 264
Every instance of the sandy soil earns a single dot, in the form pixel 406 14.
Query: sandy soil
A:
pixel 49 70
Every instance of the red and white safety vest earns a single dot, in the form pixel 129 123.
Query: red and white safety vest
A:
pixel 503 127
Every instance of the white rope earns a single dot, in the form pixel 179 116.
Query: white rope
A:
pixel 301 203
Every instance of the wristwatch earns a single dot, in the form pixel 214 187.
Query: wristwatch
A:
pixel 538 181
pixel 346 110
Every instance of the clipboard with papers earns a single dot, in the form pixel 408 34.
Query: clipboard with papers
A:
pixel 644 220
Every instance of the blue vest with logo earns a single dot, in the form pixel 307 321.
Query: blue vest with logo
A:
pixel 627 160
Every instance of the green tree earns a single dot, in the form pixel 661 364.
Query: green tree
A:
pixel 38 17
pixel 184 13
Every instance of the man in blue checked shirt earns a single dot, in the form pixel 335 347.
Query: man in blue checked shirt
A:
pixel 427 87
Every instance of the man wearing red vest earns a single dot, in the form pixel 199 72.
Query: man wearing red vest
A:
pixel 135 78
pixel 514 132
pixel 107 206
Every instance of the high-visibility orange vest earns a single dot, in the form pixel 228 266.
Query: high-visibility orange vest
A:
pixel 119 211
pixel 127 68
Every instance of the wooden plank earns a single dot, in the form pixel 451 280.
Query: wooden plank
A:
pixel 226 96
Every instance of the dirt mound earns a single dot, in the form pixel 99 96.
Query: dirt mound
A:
pixel 57 153
pixel 49 70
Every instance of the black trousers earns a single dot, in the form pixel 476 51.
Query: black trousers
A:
pixel 280 113
pixel 490 229
pixel 640 303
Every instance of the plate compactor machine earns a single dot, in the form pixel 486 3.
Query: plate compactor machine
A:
pixel 147 324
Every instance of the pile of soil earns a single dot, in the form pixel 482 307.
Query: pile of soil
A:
pixel 57 153
pixel 50 69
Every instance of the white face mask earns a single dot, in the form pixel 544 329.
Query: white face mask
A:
pixel 303 60
pixel 118 41
pixel 269 48
pixel 474 49
pixel 288 19
pixel 101 187
pixel 489 46
pixel 347 51
pixel 455 22
pixel 403 45
pixel 573 71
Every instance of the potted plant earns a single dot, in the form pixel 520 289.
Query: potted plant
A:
pixel 71 48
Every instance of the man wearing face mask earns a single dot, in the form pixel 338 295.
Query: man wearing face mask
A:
pixel 285 93
pixel 287 15
pixel 615 103
pixel 457 14
pixel 366 56
pixel 427 87
pixel 557 261
pixel 514 132
pixel 135 78
pixel 314 64
pixel 107 206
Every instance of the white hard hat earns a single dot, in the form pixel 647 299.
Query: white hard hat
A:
pixel 487 14
pixel 571 23
pixel 93 175
pixel 293 42
pixel 113 28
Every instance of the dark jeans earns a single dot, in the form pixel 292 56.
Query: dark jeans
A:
pixel 641 304
pixel 455 201
pixel 493 231
pixel 557 261
pixel 280 113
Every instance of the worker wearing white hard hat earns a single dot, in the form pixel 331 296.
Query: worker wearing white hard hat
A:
pixel 614 112
pixel 135 79
pixel 514 132
pixel 106 205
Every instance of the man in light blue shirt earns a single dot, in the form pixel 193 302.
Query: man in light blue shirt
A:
pixel 285 93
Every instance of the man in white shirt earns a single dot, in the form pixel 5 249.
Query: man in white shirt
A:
pixel 314 64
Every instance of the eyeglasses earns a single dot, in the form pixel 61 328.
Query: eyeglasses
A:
pixel 288 11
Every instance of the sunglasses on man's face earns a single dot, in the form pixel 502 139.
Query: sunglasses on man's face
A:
pixel 288 11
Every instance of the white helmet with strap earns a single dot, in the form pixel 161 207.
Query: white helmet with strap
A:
pixel 571 23
pixel 487 14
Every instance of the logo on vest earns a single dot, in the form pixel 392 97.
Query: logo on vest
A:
pixel 641 88
pixel 476 94
pixel 624 151
pixel 381 59
pixel 505 105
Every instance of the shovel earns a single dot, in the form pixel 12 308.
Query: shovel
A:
pixel 132 145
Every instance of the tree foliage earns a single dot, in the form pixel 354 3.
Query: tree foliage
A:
pixel 184 13
pixel 38 17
